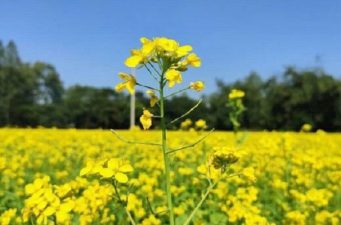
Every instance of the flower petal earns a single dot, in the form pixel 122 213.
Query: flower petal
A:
pixel 121 177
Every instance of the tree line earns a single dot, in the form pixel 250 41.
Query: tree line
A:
pixel 32 94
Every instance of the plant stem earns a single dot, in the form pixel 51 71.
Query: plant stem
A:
pixel 165 155
pixel 189 219
pixel 203 198
pixel 121 202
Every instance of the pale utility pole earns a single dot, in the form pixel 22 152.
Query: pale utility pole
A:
pixel 132 106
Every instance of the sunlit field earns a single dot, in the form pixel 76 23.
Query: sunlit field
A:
pixel 282 178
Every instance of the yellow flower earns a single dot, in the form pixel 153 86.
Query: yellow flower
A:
pixel 249 173
pixel 183 50
pixel 235 94
pixel 128 83
pixel 166 44
pixel 201 124
pixel 197 85
pixel 134 60
pixel 153 98
pixel 306 127
pixel 151 220
pixel 185 125
pixel 139 56
pixel 173 76
pixel 193 60
pixel 116 168
pixel 146 119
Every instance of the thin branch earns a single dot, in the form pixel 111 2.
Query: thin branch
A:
pixel 157 116
pixel 191 145
pixel 122 203
pixel 154 68
pixel 150 206
pixel 177 92
pixel 146 86
pixel 188 112
pixel 151 73
pixel 133 142
pixel 203 198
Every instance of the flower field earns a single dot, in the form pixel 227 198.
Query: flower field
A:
pixel 279 178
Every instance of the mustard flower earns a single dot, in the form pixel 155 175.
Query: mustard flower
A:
pixel 166 44
pixel 183 51
pixel 193 60
pixel 139 56
pixel 185 125
pixel 201 124
pixel 197 85
pixel 306 127
pixel 146 119
pixel 221 159
pixel 153 98
pixel 116 168
pixel 173 76
pixel 236 94
pixel 128 83
pixel 249 173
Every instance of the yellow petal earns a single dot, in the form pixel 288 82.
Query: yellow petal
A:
pixel 173 76
pixel 183 50
pixel 113 163
pixel 106 172
pixel 153 101
pixel 146 122
pixel 144 40
pixel 126 168
pixel 49 211
pixel 85 171
pixel 133 61
pixel 124 76
pixel 193 60
pixel 67 206
pixel 197 85
pixel 121 177
pixel 131 87
pixel 120 87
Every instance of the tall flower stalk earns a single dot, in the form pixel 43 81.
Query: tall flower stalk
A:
pixel 165 60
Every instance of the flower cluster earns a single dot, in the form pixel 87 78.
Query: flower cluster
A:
pixel 166 60
pixel 45 204
pixel 236 106
pixel 114 168
pixel 236 94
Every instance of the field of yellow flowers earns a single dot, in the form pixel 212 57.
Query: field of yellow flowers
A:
pixel 291 178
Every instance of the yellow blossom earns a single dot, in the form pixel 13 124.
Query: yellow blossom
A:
pixel 193 60
pixel 249 174
pixel 200 124
pixel 116 168
pixel 146 119
pixel 173 76
pixel 236 94
pixel 153 98
pixel 128 83
pixel 197 85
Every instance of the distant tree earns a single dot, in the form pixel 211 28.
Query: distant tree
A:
pixel 11 55
pixel 2 54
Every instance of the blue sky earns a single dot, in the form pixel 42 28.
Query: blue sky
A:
pixel 88 40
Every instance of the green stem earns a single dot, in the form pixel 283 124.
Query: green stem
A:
pixel 165 155
pixel 177 92
pixel 186 113
pixel 204 197
pixel 130 217
pixel 189 219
